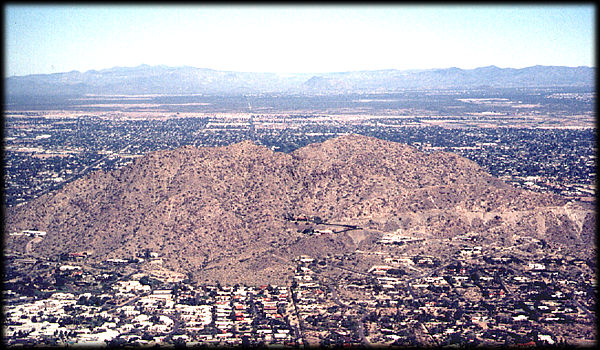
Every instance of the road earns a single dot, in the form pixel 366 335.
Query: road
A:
pixel 129 301
pixel 29 245
pixel 585 309
pixel 410 290
pixel 300 322
pixel 332 285
pixel 361 329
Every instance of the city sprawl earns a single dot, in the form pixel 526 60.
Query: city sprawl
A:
pixel 406 293
pixel 420 289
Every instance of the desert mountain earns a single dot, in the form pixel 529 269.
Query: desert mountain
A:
pixel 146 79
pixel 223 213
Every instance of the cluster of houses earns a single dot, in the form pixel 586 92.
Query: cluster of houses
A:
pixel 322 320
pixel 498 300
pixel 137 314
pixel 420 300
pixel 495 301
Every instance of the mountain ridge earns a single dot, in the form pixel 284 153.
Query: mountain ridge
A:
pixel 162 79
pixel 219 213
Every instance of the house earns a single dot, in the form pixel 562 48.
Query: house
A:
pixel 407 261
pixel 306 259
pixel 546 338
pixel 131 286
pixel 379 269
pixel 34 233
pixel 536 266
pixel 69 268
pixel 117 261
pixel 520 318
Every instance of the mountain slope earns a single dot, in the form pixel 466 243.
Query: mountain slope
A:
pixel 219 213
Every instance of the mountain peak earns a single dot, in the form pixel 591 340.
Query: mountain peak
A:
pixel 349 146
pixel 246 145
pixel 248 149
pixel 354 138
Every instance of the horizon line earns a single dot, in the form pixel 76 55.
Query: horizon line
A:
pixel 292 73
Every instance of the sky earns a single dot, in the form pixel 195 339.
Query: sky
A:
pixel 41 39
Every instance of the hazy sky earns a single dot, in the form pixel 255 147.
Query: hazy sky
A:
pixel 300 38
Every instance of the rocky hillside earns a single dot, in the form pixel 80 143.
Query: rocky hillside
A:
pixel 220 213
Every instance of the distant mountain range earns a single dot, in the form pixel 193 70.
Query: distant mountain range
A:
pixel 162 79
pixel 223 213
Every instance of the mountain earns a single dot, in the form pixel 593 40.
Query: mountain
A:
pixel 162 79
pixel 220 213
pixel 144 79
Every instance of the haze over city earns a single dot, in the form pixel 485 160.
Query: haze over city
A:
pixel 43 39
